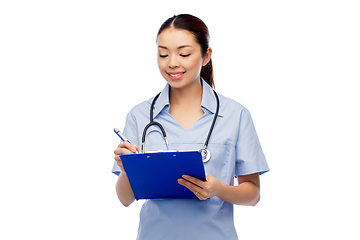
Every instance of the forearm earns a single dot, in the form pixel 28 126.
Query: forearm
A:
pixel 246 193
pixel 124 190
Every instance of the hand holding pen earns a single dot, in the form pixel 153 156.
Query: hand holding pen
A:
pixel 126 143
pixel 124 148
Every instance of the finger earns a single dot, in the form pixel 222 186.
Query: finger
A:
pixel 119 163
pixel 125 148
pixel 194 180
pixel 126 145
pixel 196 185
pixel 137 147
pixel 118 160
pixel 189 185
pixel 121 151
pixel 200 196
pixel 129 146
pixel 117 151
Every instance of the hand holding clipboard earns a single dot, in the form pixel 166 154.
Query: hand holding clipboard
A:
pixel 155 175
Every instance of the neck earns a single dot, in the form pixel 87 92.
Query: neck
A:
pixel 189 96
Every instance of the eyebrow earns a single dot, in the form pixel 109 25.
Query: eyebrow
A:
pixel 180 47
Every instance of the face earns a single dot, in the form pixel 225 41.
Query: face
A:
pixel 179 57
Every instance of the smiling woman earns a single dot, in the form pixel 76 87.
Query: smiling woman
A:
pixel 184 57
pixel 201 37
pixel 186 108
pixel 180 57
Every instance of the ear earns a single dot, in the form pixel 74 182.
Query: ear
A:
pixel 207 56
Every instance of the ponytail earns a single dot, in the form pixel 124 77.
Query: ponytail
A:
pixel 207 74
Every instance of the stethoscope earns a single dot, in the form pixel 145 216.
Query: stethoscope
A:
pixel 205 153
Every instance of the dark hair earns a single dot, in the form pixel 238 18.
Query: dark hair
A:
pixel 201 33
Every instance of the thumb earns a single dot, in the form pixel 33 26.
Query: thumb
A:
pixel 137 147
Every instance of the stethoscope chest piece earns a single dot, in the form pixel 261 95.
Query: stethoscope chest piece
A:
pixel 205 154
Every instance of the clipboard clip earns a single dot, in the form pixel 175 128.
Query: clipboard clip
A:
pixel 162 151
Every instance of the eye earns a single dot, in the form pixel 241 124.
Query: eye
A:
pixel 183 55
pixel 163 56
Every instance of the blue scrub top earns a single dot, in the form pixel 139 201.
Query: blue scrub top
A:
pixel 235 150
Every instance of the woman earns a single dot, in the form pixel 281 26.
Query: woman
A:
pixel 186 108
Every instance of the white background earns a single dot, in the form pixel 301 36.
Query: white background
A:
pixel 71 70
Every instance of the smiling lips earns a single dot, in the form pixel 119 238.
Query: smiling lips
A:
pixel 175 75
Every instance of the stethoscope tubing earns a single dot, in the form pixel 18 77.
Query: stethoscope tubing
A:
pixel 152 123
pixel 214 120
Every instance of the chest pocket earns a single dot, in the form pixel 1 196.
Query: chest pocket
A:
pixel 222 162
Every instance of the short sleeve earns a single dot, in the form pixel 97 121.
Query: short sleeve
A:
pixel 130 131
pixel 249 154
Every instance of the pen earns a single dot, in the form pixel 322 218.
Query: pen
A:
pixel 122 137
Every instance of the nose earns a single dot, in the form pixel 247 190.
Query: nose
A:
pixel 173 62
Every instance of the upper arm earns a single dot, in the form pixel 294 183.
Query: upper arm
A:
pixel 249 156
pixel 253 178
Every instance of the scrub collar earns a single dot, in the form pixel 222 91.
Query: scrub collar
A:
pixel 208 101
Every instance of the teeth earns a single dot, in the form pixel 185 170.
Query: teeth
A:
pixel 175 75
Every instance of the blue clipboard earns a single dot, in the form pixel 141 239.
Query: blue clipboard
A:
pixel 155 175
